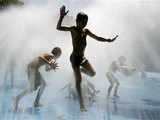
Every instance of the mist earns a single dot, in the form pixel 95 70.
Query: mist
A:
pixel 136 23
pixel 29 31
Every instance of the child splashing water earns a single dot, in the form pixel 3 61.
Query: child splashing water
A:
pixel 78 61
pixel 121 66
pixel 34 76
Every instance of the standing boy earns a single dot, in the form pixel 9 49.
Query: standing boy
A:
pixel 79 34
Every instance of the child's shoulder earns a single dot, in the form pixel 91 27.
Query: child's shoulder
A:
pixel 85 30
pixel 46 54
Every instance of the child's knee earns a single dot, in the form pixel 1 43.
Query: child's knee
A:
pixel 93 73
pixel 43 84
pixel 118 83
pixel 111 85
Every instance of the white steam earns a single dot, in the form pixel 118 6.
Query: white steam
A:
pixel 31 30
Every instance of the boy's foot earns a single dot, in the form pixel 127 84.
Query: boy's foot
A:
pixel 111 97
pixel 116 96
pixel 37 105
pixel 83 109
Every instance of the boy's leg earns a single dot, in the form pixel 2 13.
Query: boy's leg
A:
pixel 31 79
pixel 91 93
pixel 5 78
pixel 109 89
pixel 21 95
pixel 12 77
pixel 90 85
pixel 116 88
pixel 71 93
pixel 88 69
pixel 78 77
pixel 42 85
pixel 111 81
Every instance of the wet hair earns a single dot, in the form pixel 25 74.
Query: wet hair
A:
pixel 56 51
pixel 81 17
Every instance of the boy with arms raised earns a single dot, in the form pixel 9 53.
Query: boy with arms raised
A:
pixel 78 61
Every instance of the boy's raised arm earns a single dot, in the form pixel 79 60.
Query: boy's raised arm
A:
pixel 59 24
pixel 46 60
pixel 99 38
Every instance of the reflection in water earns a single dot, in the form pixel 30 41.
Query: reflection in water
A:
pixel 140 107
pixel 65 109
pixel 153 103
pixel 132 111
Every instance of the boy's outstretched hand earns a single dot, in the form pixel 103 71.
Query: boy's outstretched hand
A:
pixel 114 38
pixel 63 11
pixel 54 65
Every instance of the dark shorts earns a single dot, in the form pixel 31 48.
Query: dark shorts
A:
pixel 77 60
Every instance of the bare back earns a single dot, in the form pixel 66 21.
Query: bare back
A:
pixel 113 67
pixel 36 63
